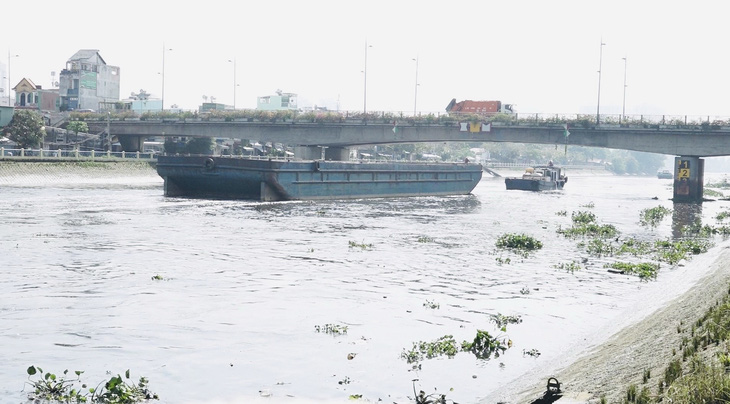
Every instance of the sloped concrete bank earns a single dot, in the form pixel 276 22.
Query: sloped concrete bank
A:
pixel 647 343
pixel 13 171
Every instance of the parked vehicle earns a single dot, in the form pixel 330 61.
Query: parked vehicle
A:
pixel 479 107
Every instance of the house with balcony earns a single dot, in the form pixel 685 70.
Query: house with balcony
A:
pixel 28 95
pixel 87 82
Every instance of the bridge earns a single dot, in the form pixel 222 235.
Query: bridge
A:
pixel 689 142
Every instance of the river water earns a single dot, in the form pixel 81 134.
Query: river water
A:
pixel 218 301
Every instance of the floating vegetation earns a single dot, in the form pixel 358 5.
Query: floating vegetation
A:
pixel 712 192
pixel 518 242
pixel 485 345
pixel 561 213
pixel 644 270
pixel 49 387
pixel 346 380
pixel 423 398
pixel 363 246
pixel 584 224
pixel 532 352
pixel 568 266
pixel 425 239
pixel 673 252
pixel 722 216
pixel 431 305
pixel 157 278
pixel 589 205
pixel 334 329
pixel 634 247
pixel 599 247
pixel 445 345
pixel 721 184
pixel 653 216
pixel 581 217
pixel 501 260
pixel 501 321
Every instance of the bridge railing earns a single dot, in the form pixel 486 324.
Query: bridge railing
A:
pixel 37 154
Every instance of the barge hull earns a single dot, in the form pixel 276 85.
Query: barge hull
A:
pixel 274 180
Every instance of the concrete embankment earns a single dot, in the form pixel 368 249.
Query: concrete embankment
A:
pixel 13 172
pixel 642 341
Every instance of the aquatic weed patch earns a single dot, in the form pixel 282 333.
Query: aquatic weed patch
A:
pixel 673 252
pixel 653 216
pixel 445 345
pixel 483 346
pixel 571 266
pixel 644 270
pixel 333 329
pixel 362 246
pixel 584 225
pixel 49 387
pixel 521 242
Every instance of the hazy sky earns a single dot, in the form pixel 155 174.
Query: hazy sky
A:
pixel 541 55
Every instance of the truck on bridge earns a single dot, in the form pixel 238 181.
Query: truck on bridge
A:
pixel 479 107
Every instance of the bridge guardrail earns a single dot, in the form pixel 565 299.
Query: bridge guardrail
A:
pixel 31 154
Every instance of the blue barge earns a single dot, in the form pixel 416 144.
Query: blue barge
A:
pixel 281 180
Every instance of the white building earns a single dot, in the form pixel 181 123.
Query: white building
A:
pixel 280 101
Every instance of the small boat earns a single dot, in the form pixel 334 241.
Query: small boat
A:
pixel 664 175
pixel 283 180
pixel 538 178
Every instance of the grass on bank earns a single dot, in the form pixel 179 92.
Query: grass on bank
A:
pixel 701 374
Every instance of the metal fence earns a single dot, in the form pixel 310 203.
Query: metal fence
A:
pixel 29 154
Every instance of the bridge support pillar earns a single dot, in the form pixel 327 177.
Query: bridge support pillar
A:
pixel 131 143
pixel 322 153
pixel 689 173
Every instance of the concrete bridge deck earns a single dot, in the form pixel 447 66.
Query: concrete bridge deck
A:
pixel 678 140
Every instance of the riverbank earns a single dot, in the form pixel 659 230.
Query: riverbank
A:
pixel 640 345
pixel 14 172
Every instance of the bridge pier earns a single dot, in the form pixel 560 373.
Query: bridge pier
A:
pixel 131 143
pixel 689 173
pixel 322 153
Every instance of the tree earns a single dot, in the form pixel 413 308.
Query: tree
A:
pixel 78 126
pixel 26 129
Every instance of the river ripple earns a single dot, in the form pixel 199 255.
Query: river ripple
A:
pixel 244 284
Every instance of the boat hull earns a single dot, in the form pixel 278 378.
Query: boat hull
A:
pixel 274 180
pixel 533 184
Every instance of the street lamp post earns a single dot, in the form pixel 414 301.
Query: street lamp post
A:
pixel 598 105
pixel 234 81
pixel 10 104
pixel 623 109
pixel 365 92
pixel 415 97
pixel 163 74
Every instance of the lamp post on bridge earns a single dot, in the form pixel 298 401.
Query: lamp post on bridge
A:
pixel 623 109
pixel 10 56
pixel 163 74
pixel 365 72
pixel 415 97
pixel 598 105
pixel 234 81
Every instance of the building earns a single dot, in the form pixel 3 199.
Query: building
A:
pixel 138 103
pixel 87 81
pixel 28 95
pixel 280 101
